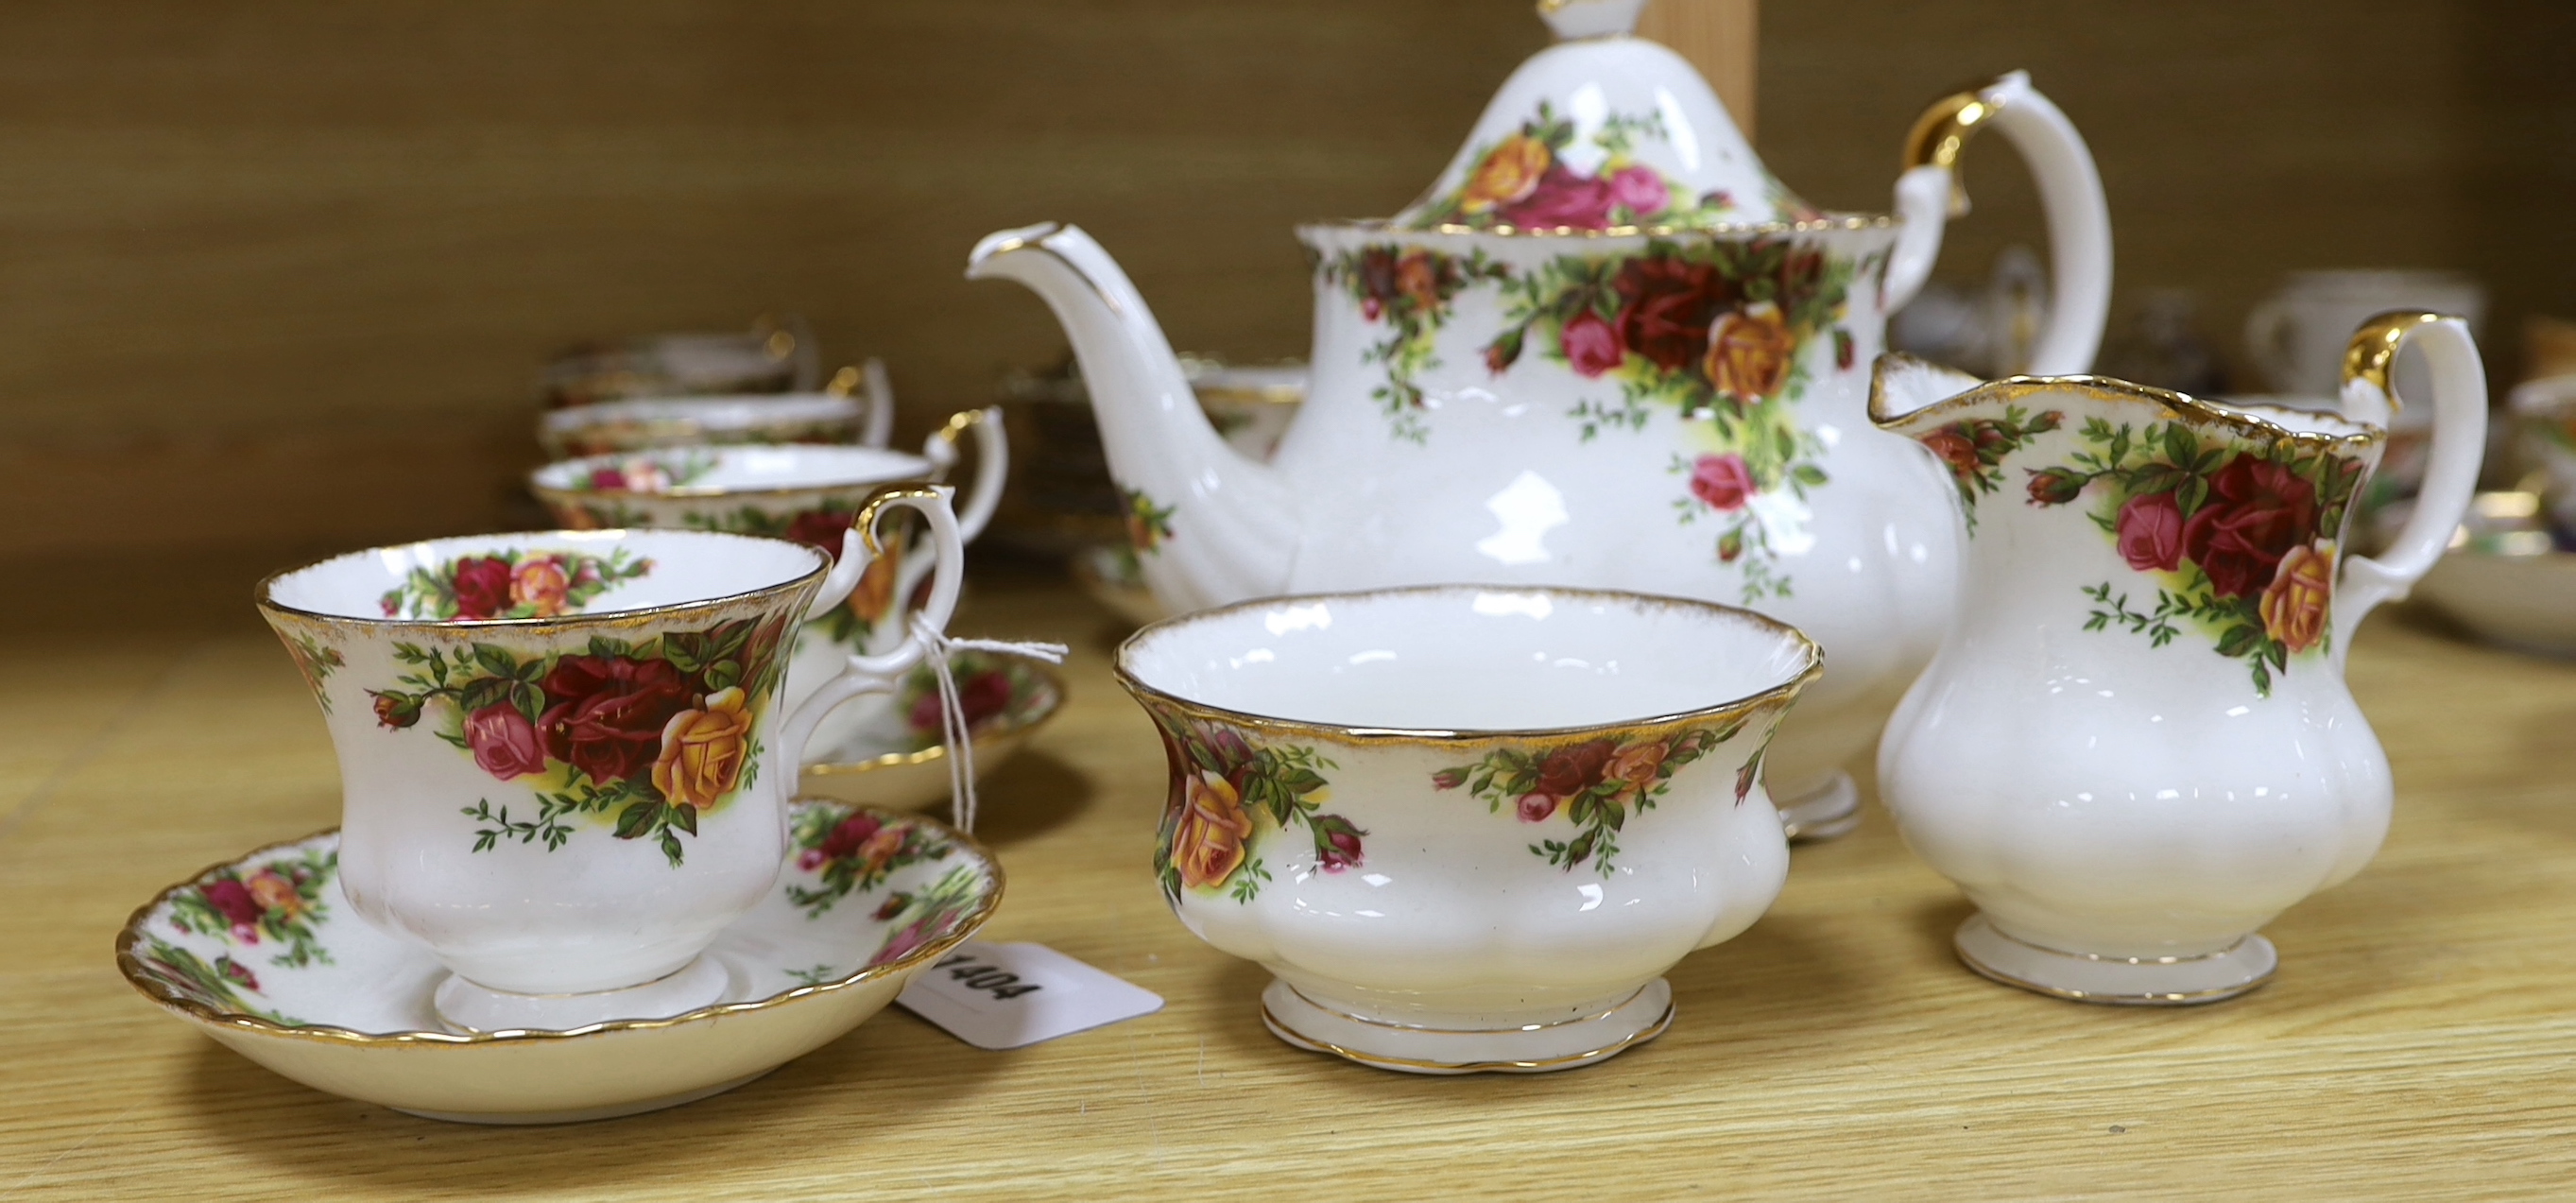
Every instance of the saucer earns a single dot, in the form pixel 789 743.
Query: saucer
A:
pixel 2505 579
pixel 266 955
pixel 895 759
pixel 1108 574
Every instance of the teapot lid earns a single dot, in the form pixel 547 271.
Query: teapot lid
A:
pixel 1603 131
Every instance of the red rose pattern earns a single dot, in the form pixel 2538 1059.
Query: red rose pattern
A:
pixel 605 714
pixel 2150 533
pixel 1722 482
pixel 1590 345
pixel 482 587
pixel 1666 306
pixel 2256 512
pixel 980 698
pixel 504 742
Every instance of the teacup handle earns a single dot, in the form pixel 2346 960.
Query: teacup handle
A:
pixel 992 463
pixel 2451 473
pixel 1928 194
pixel 880 428
pixel 881 673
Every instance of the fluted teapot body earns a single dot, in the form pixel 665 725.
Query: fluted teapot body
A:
pixel 1605 349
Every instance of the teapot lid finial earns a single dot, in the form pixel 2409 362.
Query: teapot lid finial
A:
pixel 1573 19
pixel 1603 131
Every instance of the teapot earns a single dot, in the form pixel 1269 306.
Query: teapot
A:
pixel 1606 348
pixel 2135 745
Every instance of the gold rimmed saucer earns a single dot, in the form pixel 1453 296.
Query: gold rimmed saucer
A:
pixel 896 760
pixel 264 954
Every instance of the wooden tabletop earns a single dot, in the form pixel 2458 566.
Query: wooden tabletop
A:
pixel 2420 1039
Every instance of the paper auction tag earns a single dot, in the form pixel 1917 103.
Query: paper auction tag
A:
pixel 1001 996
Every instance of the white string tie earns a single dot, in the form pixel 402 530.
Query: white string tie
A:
pixel 952 716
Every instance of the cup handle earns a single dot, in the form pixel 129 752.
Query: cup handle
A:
pixel 2265 326
pixel 880 428
pixel 881 673
pixel 1929 193
pixel 992 463
pixel 2451 473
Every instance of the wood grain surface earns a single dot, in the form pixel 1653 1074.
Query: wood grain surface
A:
pixel 2418 1042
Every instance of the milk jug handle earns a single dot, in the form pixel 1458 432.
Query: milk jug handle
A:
pixel 880 673
pixel 2070 192
pixel 2451 474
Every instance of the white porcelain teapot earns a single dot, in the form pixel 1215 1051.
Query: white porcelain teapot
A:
pixel 1605 349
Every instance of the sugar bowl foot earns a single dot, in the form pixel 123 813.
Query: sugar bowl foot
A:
pixel 1537 1048
pixel 2117 981
pixel 1825 814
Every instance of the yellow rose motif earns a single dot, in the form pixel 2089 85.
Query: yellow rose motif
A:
pixel 874 594
pixel 1208 843
pixel 1634 767
pixel 2296 604
pixel 542 586
pixel 703 750
pixel 1749 351
pixel 1509 173
pixel 275 894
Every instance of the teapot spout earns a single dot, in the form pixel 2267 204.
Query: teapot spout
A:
pixel 1209 525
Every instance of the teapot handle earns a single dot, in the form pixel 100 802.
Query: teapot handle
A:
pixel 2451 471
pixel 881 673
pixel 1929 193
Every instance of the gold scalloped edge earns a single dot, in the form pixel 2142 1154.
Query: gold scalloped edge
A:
pixel 131 965
pixel 1829 223
pixel 2182 407
pixel 1778 696
pixel 557 495
pixel 469 627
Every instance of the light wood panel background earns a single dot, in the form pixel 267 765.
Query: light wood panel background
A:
pixel 278 271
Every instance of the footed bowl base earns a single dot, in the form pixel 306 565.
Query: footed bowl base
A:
pixel 2115 981
pixel 1569 1044
pixel 1826 814
pixel 471 1008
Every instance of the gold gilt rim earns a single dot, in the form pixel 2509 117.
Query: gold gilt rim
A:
pixel 1662 1023
pixel 935 752
pixel 1778 695
pixel 131 965
pixel 2184 407
pixel 700 411
pixel 1827 224
pixel 926 473
pixel 2164 998
pixel 260 593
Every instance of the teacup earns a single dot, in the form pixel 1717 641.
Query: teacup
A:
pixel 802 493
pixel 2544 434
pixel 1468 828
pixel 563 763
pixel 646 424
pixel 774 356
